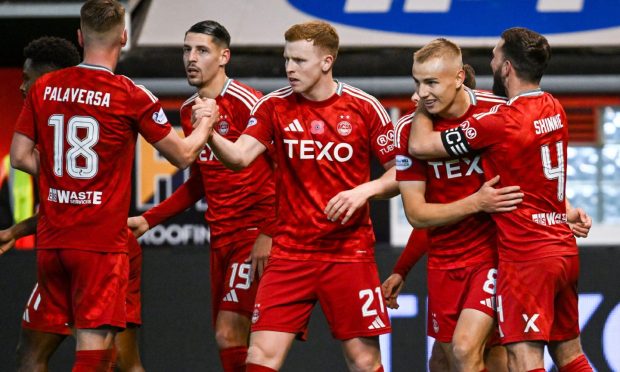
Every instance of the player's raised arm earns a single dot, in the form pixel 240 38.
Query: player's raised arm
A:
pixel 24 155
pixel 182 152
pixel 424 143
pixel 237 155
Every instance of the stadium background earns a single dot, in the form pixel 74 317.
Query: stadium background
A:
pixel 377 38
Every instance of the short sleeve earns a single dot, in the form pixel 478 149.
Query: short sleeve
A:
pixel 408 168
pixel 476 133
pixel 260 124
pixel 25 122
pixel 151 120
pixel 381 132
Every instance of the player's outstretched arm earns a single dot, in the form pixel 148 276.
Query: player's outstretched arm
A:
pixel 424 143
pixel 487 199
pixel 345 203
pixel 182 152
pixel 19 230
pixel 236 155
pixel 24 155
pixel 578 221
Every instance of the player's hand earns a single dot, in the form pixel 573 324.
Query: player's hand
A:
pixel 259 255
pixel 138 225
pixel 492 200
pixel 203 108
pixel 579 222
pixel 344 204
pixel 7 241
pixel 391 288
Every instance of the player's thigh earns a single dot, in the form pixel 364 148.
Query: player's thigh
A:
pixel 362 353
pixel 286 296
pixel 473 329
pixel 126 343
pixel 496 359
pixel 351 299
pixel 34 346
pixel 564 352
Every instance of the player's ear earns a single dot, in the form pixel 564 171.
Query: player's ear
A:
pixel 460 78
pixel 80 37
pixel 224 57
pixel 124 37
pixel 327 63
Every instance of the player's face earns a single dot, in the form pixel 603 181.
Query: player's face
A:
pixel 497 66
pixel 203 59
pixel 304 65
pixel 29 76
pixel 437 81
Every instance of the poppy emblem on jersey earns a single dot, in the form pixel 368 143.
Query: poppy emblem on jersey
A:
pixel 160 117
pixel 403 162
pixel 470 132
pixel 252 122
pixel 344 127
pixel 317 127
pixel 223 127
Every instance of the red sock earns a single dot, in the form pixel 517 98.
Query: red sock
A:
pixel 93 360
pixel 114 359
pixel 580 364
pixel 258 368
pixel 233 358
pixel 380 369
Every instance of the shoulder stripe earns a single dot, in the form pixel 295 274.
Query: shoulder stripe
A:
pixel 280 93
pixel 400 125
pixel 245 91
pixel 244 96
pixel 383 115
pixel 490 112
pixel 189 100
pixel 497 100
pixel 243 99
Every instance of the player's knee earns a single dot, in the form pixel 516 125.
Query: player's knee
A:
pixel 259 355
pixel 466 349
pixel 227 337
pixel 363 362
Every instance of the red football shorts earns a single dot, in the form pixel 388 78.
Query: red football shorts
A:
pixel 231 286
pixel 349 294
pixel 134 303
pixel 80 289
pixel 537 300
pixel 451 291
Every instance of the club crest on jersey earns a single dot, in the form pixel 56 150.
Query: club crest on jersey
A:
pixel 317 127
pixel 255 313
pixel 344 127
pixel 160 117
pixel 252 122
pixel 470 132
pixel 223 127
pixel 435 325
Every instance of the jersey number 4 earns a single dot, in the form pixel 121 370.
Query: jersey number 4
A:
pixel 551 172
pixel 81 145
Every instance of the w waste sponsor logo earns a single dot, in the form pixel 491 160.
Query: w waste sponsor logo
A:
pixel 485 18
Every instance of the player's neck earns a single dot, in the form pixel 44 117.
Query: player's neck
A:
pixel 213 88
pixel 322 90
pixel 459 106
pixel 102 57
pixel 516 87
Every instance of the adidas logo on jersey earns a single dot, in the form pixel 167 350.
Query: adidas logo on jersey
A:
pixel 231 296
pixel 377 323
pixel 295 126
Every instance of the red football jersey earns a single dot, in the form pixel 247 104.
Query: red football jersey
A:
pixel 525 143
pixel 236 201
pixel 321 149
pixel 471 240
pixel 84 121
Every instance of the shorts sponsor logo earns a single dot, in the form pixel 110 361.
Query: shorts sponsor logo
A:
pixel 252 122
pixel 549 218
pixel 403 162
pixel 74 197
pixel 160 117
pixel 317 127
pixel 530 324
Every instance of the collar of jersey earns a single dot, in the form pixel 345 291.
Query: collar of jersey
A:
pixel 527 93
pixel 226 85
pixel 334 97
pixel 95 67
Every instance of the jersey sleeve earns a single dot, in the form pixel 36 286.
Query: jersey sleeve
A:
pixel 25 122
pixel 416 247
pixel 381 132
pixel 476 133
pixel 182 198
pixel 408 168
pixel 260 124
pixel 151 120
